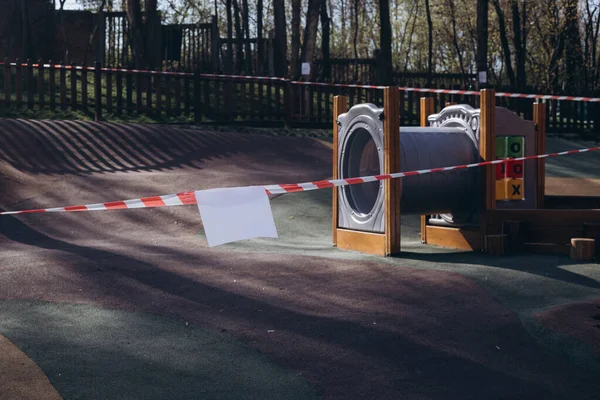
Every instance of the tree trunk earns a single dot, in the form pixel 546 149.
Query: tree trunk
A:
pixel 430 43
pixel 152 35
pixel 384 61
pixel 280 51
pixel 574 58
pixel 455 37
pixel 505 46
pixel 410 37
pixel 518 44
pixel 260 46
pixel 229 62
pixel 26 44
pixel 310 32
pixel 482 41
pixel 295 56
pixel 63 30
pixel 239 35
pixel 136 29
pixel 355 40
pixel 246 26
pixel 326 37
pixel 558 45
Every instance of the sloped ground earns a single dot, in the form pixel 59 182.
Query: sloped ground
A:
pixel 133 304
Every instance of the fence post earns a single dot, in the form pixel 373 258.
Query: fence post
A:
pixel 288 104
pixel 214 45
pixel 7 85
pixel 29 83
pixel 97 91
pixel 197 97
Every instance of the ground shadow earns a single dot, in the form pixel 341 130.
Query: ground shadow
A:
pixel 344 358
pixel 548 266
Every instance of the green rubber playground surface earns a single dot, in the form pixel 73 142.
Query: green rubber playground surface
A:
pixel 132 304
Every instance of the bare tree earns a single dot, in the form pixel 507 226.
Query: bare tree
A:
pixel 457 48
pixel 326 37
pixel 229 62
pixel 309 43
pixel 384 61
pixel 504 41
pixel 27 50
pixel 295 28
pixel 259 36
pixel 280 53
pixel 246 26
pixel 429 43
pixel 239 35
pixel 519 43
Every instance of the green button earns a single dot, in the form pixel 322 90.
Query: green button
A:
pixel 515 146
pixel 501 146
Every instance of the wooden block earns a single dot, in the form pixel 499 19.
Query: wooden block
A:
pixel 514 189
pixel 501 151
pixel 365 242
pixel 514 146
pixel 496 245
pixel 514 169
pixel 509 169
pixel 591 230
pixel 583 249
pixel 515 234
pixel 500 173
pixel 454 238
pixel 501 189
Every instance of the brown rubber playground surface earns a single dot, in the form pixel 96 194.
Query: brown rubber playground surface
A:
pixel 133 304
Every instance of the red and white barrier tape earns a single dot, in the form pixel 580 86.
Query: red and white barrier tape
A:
pixel 322 84
pixel 185 198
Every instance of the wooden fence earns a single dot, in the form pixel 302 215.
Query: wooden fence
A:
pixel 59 91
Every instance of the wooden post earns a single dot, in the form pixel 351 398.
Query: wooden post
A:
pixel 515 235
pixel 539 117
pixel 427 108
pixel 97 91
pixel 84 90
pixel 288 103
pixel 496 245
pixel 582 249
pixel 340 106
pixel 63 85
pixel 197 97
pixel 52 85
pixel 487 152
pixel 41 82
pixel 214 45
pixel 101 37
pixel 391 149
pixel 7 84
pixel 29 83
pixel 73 86
pixel 591 230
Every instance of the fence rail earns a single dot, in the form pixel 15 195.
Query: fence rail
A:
pixel 124 94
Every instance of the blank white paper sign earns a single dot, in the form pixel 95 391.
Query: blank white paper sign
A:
pixel 305 68
pixel 232 214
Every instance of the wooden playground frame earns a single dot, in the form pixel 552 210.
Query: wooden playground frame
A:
pixel 557 224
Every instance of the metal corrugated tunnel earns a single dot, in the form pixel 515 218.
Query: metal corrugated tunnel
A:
pixel 452 139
